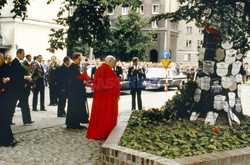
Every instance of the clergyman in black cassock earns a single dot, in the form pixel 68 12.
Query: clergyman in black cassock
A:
pixel 6 135
pixel 76 113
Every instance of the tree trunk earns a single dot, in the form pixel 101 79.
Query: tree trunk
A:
pixel 218 96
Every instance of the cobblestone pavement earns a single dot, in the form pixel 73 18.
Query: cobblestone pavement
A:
pixel 56 145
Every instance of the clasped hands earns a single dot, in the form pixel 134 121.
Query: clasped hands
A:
pixel 5 80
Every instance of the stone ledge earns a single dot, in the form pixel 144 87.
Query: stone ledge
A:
pixel 115 154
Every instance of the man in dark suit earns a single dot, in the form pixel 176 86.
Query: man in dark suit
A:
pixel 18 87
pixel 118 71
pixel 136 76
pixel 34 60
pixel 53 88
pixel 27 61
pixel 39 85
pixel 98 63
pixel 62 77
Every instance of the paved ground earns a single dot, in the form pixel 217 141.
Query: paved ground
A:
pixel 47 141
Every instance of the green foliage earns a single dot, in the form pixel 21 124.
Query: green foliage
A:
pixel 181 103
pixel 229 17
pixel 87 25
pixel 128 38
pixel 181 138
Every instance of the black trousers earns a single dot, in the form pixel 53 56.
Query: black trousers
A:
pixel 133 92
pixel 62 103
pixel 53 93
pixel 23 97
pixel 6 135
pixel 38 89
pixel 24 103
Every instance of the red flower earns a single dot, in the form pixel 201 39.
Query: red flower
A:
pixel 195 131
pixel 191 98
pixel 84 76
pixel 174 131
pixel 216 129
pixel 218 38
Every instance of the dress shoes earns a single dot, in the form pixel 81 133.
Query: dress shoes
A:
pixel 35 110
pixel 61 115
pixel 43 110
pixel 12 144
pixel 31 122
pixel 12 123
pixel 77 127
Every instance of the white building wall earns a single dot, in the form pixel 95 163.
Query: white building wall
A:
pixel 32 35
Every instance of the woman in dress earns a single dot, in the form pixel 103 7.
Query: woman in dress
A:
pixel 77 96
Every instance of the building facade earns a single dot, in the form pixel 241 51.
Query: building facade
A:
pixel 180 38
pixel 32 35
pixel 166 32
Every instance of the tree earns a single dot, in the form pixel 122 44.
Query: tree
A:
pixel 129 39
pixel 86 25
pixel 226 41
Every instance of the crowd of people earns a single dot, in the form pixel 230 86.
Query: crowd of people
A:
pixel 67 81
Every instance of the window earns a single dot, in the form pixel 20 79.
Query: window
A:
pixel 140 9
pixel 155 24
pixel 187 57
pixel 199 30
pixel 125 10
pixel 155 37
pixel 156 9
pixel 199 44
pixel 189 30
pixel 111 13
pixel 188 44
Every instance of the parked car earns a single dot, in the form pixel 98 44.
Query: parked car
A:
pixel 124 83
pixel 156 78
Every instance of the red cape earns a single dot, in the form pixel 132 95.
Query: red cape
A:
pixel 105 104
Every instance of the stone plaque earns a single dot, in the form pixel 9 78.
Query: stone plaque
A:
pixel 208 67
pixel 238 107
pixel 218 102
pixel 222 68
pixel 197 95
pixel 205 83
pixel 225 106
pixel 236 67
pixel 211 118
pixel 233 87
pixel 226 82
pixel 194 116
pixel 202 53
pixel 234 117
pixel 227 45
pixel 216 86
pixel 239 90
pixel 231 97
pixel 239 56
pixel 220 54
pixel 238 78
pixel 230 59
pixel 198 81
pixel 231 52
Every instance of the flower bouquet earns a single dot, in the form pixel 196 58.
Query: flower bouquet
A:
pixel 33 72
